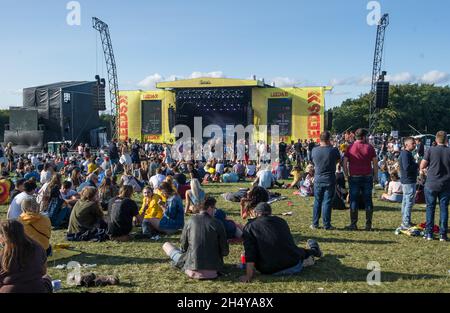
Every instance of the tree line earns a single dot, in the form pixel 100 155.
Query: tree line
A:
pixel 424 107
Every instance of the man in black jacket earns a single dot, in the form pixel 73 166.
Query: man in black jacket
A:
pixel 270 247
pixel 203 245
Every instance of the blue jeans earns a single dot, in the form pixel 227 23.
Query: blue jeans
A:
pixel 291 271
pixel 146 227
pixel 431 199
pixel 362 185
pixel 409 197
pixel 323 196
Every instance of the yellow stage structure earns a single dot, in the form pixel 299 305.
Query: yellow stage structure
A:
pixel 148 115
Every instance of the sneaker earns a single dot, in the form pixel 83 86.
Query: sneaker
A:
pixel 443 238
pixel 314 246
pixel 404 227
pixel 351 228
pixel 330 228
pixel 428 237
pixel 368 228
pixel 313 227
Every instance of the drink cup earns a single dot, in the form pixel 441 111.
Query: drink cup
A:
pixel 56 284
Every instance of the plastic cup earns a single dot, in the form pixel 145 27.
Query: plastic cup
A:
pixel 56 284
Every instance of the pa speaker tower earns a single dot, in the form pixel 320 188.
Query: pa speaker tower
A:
pixel 382 95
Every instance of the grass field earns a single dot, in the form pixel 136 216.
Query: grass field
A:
pixel 407 264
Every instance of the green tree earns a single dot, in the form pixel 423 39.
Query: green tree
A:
pixel 424 107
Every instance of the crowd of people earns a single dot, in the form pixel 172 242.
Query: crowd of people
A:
pixel 95 196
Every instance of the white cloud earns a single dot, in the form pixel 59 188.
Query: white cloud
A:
pixel 364 81
pixel 432 77
pixel 401 78
pixel 283 82
pixel 216 74
pixel 435 77
pixel 150 81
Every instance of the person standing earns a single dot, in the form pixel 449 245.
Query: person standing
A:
pixel 298 152
pixel 408 172
pixel 361 168
pixel 113 153
pixel 325 157
pixel 436 162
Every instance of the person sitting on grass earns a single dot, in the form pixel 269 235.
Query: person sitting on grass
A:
pixel 265 178
pixel 15 208
pixel 87 214
pixel 106 191
pixel 254 196
pixel 37 226
pixel 203 245
pixel 297 173
pixel 23 262
pixel 173 217
pixel 229 176
pixel 150 210
pixel 250 169
pixel 121 211
pixel 69 195
pixel 395 192
pixel 270 247
pixel 19 188
pixel 194 197
pixel 307 184
pixel 91 181
pixel 233 230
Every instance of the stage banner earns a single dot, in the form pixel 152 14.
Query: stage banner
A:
pixel 299 112
pixel 129 115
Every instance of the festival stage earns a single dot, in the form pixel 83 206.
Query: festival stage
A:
pixel 151 115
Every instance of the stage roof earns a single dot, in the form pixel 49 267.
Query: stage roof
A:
pixel 205 82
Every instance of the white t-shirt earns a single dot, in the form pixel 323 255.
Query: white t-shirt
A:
pixel 15 208
pixel 156 180
pixel 45 176
pixel 395 187
pixel 251 169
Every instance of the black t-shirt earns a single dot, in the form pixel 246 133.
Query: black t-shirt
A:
pixel 311 146
pixel 121 213
pixel 438 175
pixel 325 159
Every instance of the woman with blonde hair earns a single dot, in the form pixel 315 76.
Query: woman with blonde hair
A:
pixel 194 197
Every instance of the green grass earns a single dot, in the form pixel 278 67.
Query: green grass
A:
pixel 407 264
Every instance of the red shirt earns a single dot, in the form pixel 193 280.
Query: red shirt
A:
pixel 360 156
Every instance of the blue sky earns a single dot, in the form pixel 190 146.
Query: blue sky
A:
pixel 291 42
